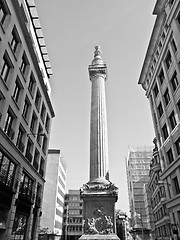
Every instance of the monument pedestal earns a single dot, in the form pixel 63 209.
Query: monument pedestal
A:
pixel 99 237
pixel 99 199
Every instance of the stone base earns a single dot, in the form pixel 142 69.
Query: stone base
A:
pixel 99 237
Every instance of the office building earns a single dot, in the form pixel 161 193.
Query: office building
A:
pixel 158 215
pixel 137 169
pixel 26 113
pixel 73 215
pixel 160 78
pixel 54 193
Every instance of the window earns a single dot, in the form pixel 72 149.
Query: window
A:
pixel 32 83
pixel 26 186
pixel 8 124
pixel 168 60
pixel 6 67
pixel 176 185
pixel 19 226
pixel 38 99
pixel 157 53
pixel 174 45
pixel 19 142
pixel 177 144
pixel 41 168
pixel 156 91
pixel 44 146
pixel 171 2
pixel 43 111
pixel 7 170
pixel 26 108
pixel 24 64
pixel 172 120
pixel 3 12
pixel 178 105
pixel 47 123
pixel 170 156
pixel 36 159
pixel 161 76
pixel 174 81
pixel 15 40
pixel 163 36
pixel 178 19
pixel 39 136
pixel 160 110
pixel 166 97
pixel 165 132
pixel 17 90
pixel 33 123
pixel 160 45
pixel 2 97
pixel 29 148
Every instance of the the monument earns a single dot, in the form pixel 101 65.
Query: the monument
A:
pixel 99 194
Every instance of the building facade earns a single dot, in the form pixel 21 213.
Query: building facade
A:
pixel 137 169
pixel 158 214
pixel 160 78
pixel 26 113
pixel 73 215
pixel 54 193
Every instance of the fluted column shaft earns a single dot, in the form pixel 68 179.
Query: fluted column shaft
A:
pixel 98 131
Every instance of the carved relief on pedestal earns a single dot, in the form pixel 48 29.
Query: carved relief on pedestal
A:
pixel 110 187
pixel 100 223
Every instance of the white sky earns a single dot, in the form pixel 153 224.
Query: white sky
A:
pixel 122 28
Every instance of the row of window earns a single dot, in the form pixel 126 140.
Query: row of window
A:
pixel 72 198
pixel 4 11
pixel 166 96
pixel 74 228
pixel 168 59
pixel 21 136
pixel 157 199
pixel 160 214
pixel 170 154
pixel 163 231
pixel 7 176
pixel 73 212
pixel 171 119
pixel 18 92
pixel 72 220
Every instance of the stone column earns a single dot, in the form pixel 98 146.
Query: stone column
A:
pixel 99 194
pixel 99 168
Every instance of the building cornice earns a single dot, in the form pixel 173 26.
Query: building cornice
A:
pixel 159 23
pixel 28 40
